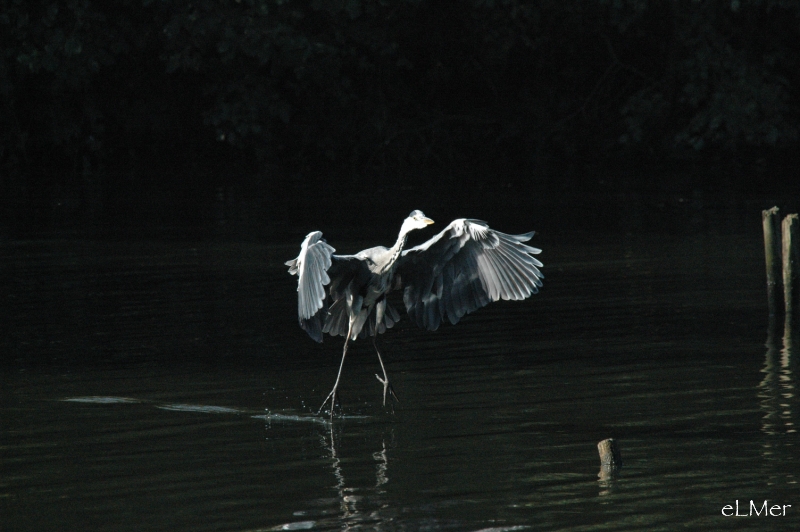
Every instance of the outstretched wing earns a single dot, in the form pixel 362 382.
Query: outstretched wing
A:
pixel 464 268
pixel 316 268
pixel 311 267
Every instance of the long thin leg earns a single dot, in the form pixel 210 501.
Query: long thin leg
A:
pixel 385 380
pixel 333 396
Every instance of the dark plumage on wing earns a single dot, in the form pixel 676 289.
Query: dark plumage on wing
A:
pixel 458 271
pixel 326 283
pixel 464 268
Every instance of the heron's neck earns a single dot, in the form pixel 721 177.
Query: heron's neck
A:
pixel 396 250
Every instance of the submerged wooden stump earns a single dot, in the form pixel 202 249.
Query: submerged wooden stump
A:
pixel 772 254
pixel 610 458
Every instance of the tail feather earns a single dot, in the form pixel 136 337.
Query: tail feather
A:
pixel 390 317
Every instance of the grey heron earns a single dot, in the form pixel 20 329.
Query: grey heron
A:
pixel 461 269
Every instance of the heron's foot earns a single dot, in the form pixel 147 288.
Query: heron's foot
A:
pixel 387 388
pixel 333 397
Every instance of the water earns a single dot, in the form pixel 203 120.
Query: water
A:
pixel 166 386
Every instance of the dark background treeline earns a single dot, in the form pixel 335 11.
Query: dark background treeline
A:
pixel 139 115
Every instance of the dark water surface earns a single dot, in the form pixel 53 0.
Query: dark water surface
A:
pixel 167 386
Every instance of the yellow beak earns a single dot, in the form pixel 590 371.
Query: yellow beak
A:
pixel 427 221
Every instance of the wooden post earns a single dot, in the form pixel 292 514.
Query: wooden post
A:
pixel 610 458
pixel 791 265
pixel 772 254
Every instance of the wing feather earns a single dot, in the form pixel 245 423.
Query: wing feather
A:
pixel 510 289
pixel 527 268
pixel 317 267
pixel 463 268
pixel 516 270
pixel 325 281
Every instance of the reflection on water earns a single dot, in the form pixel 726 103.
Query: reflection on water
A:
pixel 778 395
pixel 165 387
pixel 101 400
pixel 777 389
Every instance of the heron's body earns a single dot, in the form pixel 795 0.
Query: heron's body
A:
pixel 461 269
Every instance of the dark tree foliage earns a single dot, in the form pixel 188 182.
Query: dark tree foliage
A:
pixel 154 109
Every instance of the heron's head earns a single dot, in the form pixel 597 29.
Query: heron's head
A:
pixel 415 220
